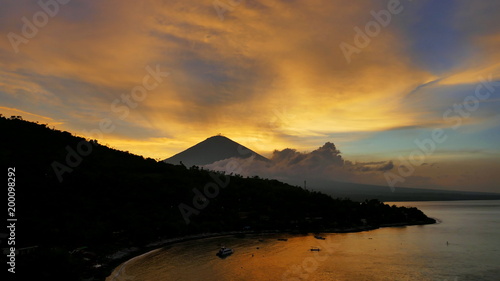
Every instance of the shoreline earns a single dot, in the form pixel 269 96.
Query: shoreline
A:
pixel 124 256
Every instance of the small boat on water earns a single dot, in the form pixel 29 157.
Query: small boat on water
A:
pixel 319 237
pixel 224 252
pixel 282 239
pixel 315 249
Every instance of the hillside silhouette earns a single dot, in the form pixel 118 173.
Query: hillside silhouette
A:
pixel 78 201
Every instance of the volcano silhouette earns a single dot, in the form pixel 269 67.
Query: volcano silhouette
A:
pixel 211 150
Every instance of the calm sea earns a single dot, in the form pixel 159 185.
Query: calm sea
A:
pixel 464 245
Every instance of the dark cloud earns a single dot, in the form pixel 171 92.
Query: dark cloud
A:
pixel 380 166
pixel 324 156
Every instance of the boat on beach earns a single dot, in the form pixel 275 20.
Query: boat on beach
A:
pixel 319 237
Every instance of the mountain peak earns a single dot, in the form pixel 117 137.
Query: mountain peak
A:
pixel 218 137
pixel 211 150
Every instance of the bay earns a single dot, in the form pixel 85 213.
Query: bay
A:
pixel 463 245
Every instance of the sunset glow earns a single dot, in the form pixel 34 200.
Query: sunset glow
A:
pixel 156 77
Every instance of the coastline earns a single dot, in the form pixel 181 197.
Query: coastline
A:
pixel 124 256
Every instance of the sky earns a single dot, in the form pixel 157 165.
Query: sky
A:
pixel 411 83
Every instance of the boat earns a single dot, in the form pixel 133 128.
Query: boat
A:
pixel 282 239
pixel 224 252
pixel 319 237
pixel 315 249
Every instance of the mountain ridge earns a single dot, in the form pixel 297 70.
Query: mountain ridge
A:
pixel 217 148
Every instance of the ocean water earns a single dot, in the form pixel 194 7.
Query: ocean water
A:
pixel 464 245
